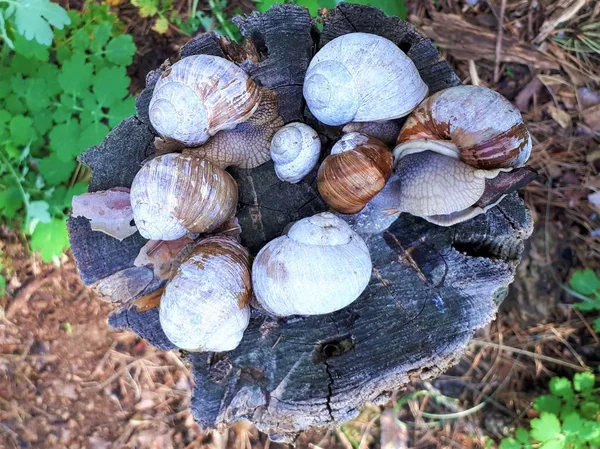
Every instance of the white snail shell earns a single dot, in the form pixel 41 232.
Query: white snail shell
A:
pixel 205 305
pixel 295 150
pixel 361 77
pixel 199 96
pixel 320 266
pixel 176 194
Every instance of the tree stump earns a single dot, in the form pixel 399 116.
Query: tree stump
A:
pixel 431 287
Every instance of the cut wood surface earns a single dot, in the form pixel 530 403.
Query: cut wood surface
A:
pixel 431 287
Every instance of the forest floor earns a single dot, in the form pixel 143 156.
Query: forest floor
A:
pixel 68 381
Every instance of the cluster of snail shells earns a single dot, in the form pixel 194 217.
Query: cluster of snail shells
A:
pixel 450 144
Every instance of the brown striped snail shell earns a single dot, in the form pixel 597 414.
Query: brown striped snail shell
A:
pixel 175 194
pixel 199 96
pixel 205 306
pixel 355 171
pixel 479 124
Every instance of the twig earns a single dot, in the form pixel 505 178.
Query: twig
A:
pixel 530 354
pixel 566 343
pixel 499 41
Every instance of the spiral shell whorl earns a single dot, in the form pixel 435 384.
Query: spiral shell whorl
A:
pixel 199 96
pixel 355 171
pixel 487 129
pixel 319 267
pixel 175 194
pixel 205 305
pixel 295 150
pixel 360 77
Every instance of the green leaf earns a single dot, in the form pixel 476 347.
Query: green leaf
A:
pixel 36 96
pixel 572 423
pixel 99 37
pixel 120 111
pixel 390 7
pixel 110 85
pixel 120 50
pixel 50 239
pixel 31 49
pixel 545 428
pixel 561 386
pixel 32 19
pixel 597 324
pixel 76 75
pixel 11 200
pixel 49 73
pixel 547 403
pixel 80 40
pixel 147 8
pixel 37 212
pixel 553 444
pixel 583 381
pixel 161 25
pixel 585 281
pixel 21 130
pixel 510 443
pixel 92 135
pixel 590 409
pixel 55 170
pixel 42 121
pixel 590 430
pixel 522 435
pixel 64 140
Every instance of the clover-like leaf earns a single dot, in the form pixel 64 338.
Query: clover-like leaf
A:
pixel 33 18
pixel 585 281
pixel 583 381
pixel 120 50
pixel 545 428
pixel 50 239
pixel 561 386
pixel 547 403
pixel 55 170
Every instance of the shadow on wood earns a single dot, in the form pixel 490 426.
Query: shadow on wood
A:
pixel 431 287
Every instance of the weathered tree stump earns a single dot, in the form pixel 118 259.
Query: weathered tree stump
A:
pixel 431 287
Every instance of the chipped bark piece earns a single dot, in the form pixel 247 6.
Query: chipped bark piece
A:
pixel 430 289
pixel 109 211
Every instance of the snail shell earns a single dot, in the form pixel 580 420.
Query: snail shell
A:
pixel 320 266
pixel 361 77
pixel 355 171
pixel 176 194
pixel 205 305
pixel 200 95
pixel 483 128
pixel 295 150
pixel 247 145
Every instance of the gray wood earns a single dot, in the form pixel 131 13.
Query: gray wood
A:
pixel 431 288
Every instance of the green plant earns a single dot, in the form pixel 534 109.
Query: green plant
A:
pixel 586 285
pixel 155 8
pixel 55 102
pixel 569 417
pixel 31 19
pixel 390 7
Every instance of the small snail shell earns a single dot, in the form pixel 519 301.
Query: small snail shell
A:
pixel 205 305
pixel 200 95
pixel 360 77
pixel 355 171
pixel 483 127
pixel 295 150
pixel 247 145
pixel 320 266
pixel 175 194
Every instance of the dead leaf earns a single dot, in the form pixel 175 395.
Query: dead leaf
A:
pixel 591 117
pixel 561 117
pixel 524 97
